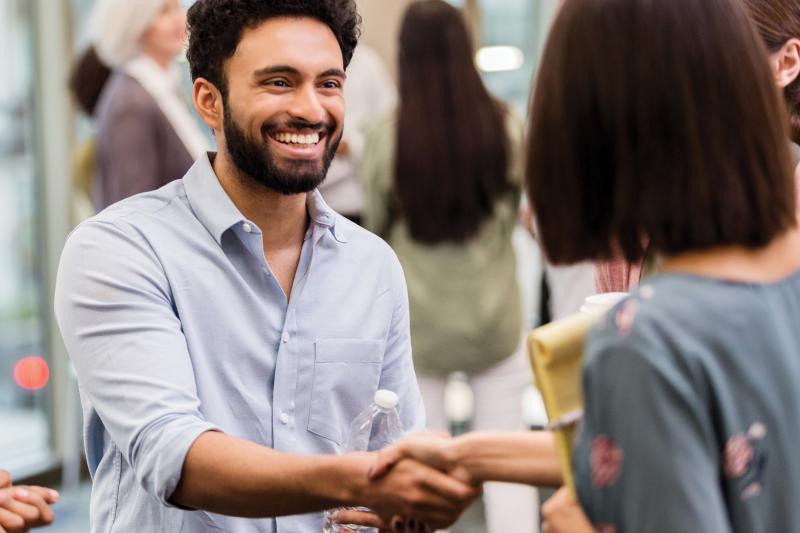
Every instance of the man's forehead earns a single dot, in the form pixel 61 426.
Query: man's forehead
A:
pixel 304 43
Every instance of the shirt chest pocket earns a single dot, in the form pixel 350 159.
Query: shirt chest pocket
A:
pixel 346 376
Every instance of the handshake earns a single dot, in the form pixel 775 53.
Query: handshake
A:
pixel 426 481
pixel 415 485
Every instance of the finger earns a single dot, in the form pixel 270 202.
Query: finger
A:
pixel 358 518
pixel 5 479
pixel 19 505
pixel 398 524
pixel 49 495
pixel 450 488
pixel 33 498
pixel 11 522
pixel 386 460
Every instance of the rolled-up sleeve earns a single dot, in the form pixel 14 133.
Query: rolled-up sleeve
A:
pixel 114 308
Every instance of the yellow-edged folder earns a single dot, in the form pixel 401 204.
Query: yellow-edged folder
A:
pixel 556 353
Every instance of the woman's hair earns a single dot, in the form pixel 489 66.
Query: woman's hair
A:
pixel 778 21
pixel 117 26
pixel 87 79
pixel 452 155
pixel 659 120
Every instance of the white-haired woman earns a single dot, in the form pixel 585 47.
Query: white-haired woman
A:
pixel 146 135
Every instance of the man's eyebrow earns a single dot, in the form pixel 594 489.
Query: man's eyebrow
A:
pixel 277 69
pixel 333 72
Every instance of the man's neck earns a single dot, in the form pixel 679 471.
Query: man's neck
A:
pixel 283 219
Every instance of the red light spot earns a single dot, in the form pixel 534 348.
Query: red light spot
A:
pixel 32 373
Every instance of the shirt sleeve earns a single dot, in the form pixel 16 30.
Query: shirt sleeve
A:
pixel 646 458
pixel 398 371
pixel 114 308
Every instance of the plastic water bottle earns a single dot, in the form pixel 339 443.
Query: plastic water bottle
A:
pixel 373 429
pixel 459 403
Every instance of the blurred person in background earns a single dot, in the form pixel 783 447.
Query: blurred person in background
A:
pixel 369 94
pixel 692 384
pixel 146 134
pixel 442 178
pixel 778 23
pixel 24 507
pixel 87 79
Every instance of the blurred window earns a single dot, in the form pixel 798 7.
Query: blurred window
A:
pixel 24 433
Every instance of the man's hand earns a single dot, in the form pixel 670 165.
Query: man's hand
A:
pixel 562 514
pixel 418 493
pixel 23 507
pixel 395 525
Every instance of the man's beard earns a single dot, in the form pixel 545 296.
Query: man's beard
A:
pixel 255 159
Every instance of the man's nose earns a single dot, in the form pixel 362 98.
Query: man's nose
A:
pixel 307 106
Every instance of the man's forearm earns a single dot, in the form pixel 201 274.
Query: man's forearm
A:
pixel 527 457
pixel 230 476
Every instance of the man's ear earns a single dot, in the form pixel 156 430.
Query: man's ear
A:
pixel 786 63
pixel 208 103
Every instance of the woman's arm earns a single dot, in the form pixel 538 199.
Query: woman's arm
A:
pixel 515 457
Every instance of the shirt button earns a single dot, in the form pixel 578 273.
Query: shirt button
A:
pixel 285 337
pixel 247 227
pixel 284 418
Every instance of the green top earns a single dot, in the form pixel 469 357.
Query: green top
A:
pixel 464 298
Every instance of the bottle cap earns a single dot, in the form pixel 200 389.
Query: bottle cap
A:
pixel 386 399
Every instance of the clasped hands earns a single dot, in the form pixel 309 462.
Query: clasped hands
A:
pixel 415 486
pixel 426 481
pixel 24 507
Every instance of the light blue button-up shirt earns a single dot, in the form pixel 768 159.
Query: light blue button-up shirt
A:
pixel 176 326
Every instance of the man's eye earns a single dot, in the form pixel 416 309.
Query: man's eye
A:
pixel 276 83
pixel 331 84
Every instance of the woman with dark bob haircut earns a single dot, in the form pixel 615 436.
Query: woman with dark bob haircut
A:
pixel 661 119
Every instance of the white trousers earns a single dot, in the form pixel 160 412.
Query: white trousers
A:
pixel 498 394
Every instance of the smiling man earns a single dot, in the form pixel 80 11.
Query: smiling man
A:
pixel 228 327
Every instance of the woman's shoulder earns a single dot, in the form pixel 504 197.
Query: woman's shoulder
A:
pixel 123 94
pixel 660 316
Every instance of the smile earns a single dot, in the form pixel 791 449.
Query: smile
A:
pixel 296 138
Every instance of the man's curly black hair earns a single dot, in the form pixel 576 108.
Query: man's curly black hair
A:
pixel 216 27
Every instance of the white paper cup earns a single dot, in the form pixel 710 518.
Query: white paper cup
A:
pixel 599 303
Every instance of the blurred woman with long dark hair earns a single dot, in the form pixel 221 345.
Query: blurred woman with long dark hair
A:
pixel 442 180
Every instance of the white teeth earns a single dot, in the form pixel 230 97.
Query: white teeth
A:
pixel 295 138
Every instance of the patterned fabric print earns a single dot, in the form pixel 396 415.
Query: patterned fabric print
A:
pixel 743 459
pixel 738 454
pixel 625 316
pixel 606 462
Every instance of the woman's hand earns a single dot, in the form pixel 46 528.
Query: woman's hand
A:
pixel 436 450
pixel 562 514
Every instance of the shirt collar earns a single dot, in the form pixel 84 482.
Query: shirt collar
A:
pixel 322 215
pixel 217 212
pixel 211 204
